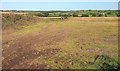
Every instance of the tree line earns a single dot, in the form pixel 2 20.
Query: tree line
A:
pixel 77 13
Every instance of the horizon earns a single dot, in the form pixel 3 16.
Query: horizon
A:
pixel 64 6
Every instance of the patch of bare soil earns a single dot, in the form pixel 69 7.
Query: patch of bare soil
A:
pixel 19 50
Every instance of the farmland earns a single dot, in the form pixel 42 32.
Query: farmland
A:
pixel 72 43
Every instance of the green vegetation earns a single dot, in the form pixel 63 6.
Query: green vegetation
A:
pixel 78 13
pixel 85 13
pixel 105 62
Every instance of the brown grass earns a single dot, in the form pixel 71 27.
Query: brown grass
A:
pixel 71 43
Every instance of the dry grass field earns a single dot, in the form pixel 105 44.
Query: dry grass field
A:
pixel 73 43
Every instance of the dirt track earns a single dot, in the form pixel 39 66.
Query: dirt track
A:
pixel 21 50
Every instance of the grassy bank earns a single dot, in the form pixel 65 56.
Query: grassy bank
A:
pixel 17 20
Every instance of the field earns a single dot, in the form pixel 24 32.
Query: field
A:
pixel 73 43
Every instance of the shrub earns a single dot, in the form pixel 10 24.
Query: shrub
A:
pixel 105 62
pixel 94 15
pixel 75 15
pixel 45 14
pixel 100 15
pixel 85 15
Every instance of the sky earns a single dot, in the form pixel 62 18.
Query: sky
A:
pixel 59 0
pixel 46 6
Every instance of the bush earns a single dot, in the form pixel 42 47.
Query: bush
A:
pixel 94 15
pixel 85 15
pixel 106 15
pixel 65 16
pixel 100 15
pixel 45 14
pixel 105 62
pixel 75 15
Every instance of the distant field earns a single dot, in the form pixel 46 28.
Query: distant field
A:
pixel 21 13
pixel 73 43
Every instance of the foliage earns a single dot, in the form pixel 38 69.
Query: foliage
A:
pixel 85 15
pixel 105 62
pixel 78 13
pixel 45 14
pixel 75 15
